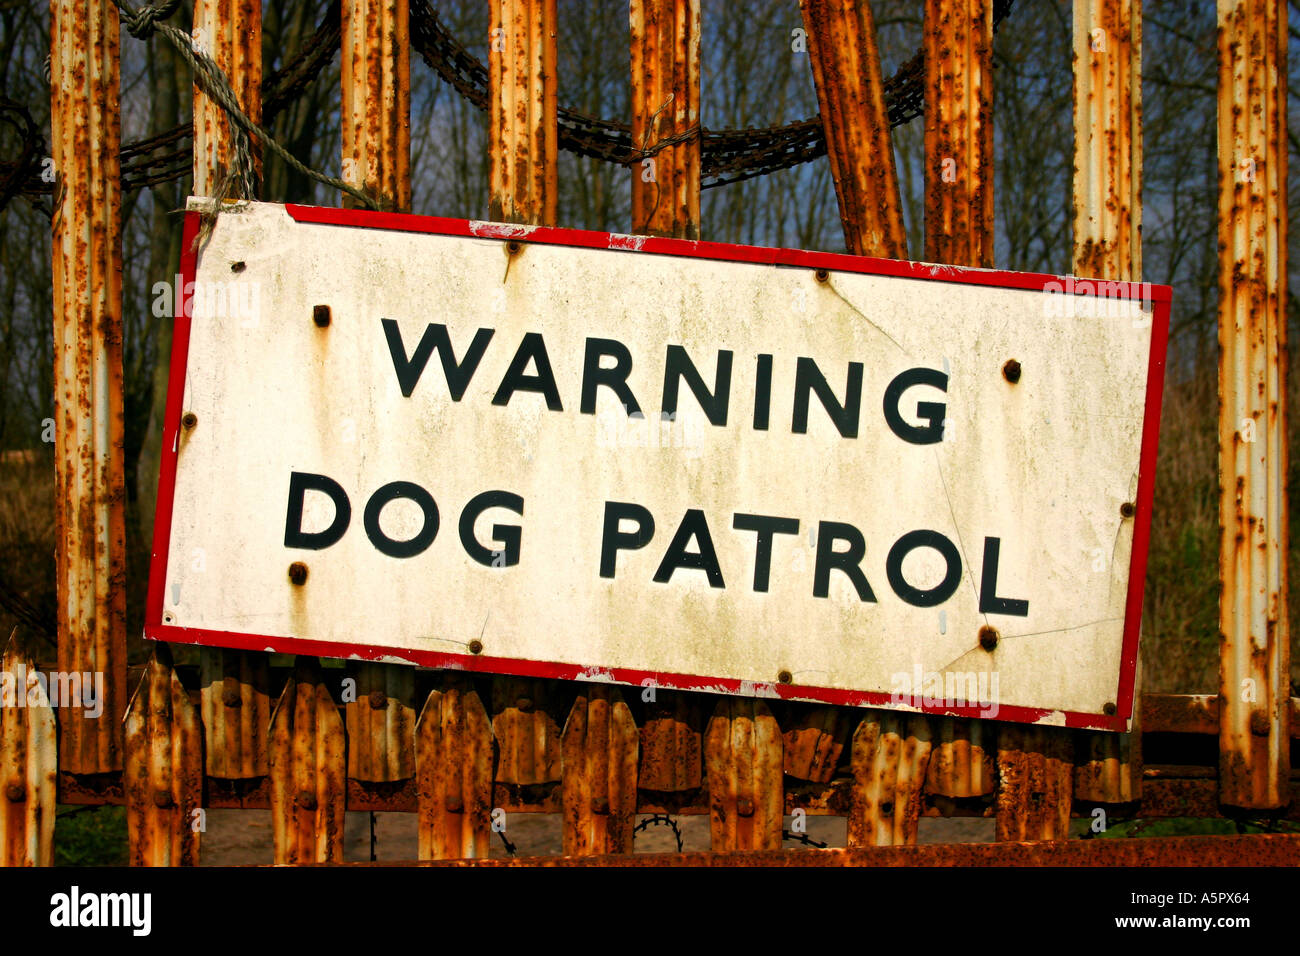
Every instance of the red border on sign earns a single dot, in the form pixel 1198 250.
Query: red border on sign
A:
pixel 1160 296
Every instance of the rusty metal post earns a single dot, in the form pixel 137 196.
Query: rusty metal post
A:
pixel 162 779
pixel 376 126
pixel 666 108
pixel 235 685
pixel 1254 648
pixel 891 753
pixel 90 484
pixel 376 74
pixel 1108 245
pixel 308 770
pixel 850 92
pixel 959 132
pixel 1108 139
pixel 453 758
pixel 743 757
pixel 28 764
pixel 522 125
pixel 230 32
pixel 959 230
pixel 599 761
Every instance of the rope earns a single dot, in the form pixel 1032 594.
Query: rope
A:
pixel 241 176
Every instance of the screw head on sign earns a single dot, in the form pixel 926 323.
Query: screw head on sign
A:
pixel 1108 709
pixel 189 420
pixel 822 275
pixel 476 647
pixel 298 573
pixel 513 247
pixel 237 267
pixel 784 677
pixel 320 314
pixel 988 637
pixel 1011 371
pixel 1127 509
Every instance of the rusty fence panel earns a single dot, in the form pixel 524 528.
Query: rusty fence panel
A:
pixel 1108 245
pixel 162 779
pixel 308 770
pixel 90 483
pixel 1254 647
pixel 744 762
pixel 28 763
pixel 599 765
pixel 453 757
pixel 235 686
pixel 666 117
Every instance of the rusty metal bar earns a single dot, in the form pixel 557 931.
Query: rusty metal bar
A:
pixel 236 697
pixel 90 486
pixel 230 32
pixel 522 130
pixel 376 120
pixel 1108 245
pixel 453 754
pixel 28 763
pixel 1202 851
pixel 1254 644
pixel 599 759
pixel 162 779
pixel 846 69
pixel 743 758
pixel 666 109
pixel 308 770
pixel 891 753
pixel 959 132
pixel 1108 139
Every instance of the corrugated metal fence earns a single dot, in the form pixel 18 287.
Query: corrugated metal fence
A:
pixel 453 749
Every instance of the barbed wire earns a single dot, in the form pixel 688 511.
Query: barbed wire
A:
pixel 659 820
pixel 727 155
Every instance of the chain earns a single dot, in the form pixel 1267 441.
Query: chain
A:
pixel 727 155
pixel 803 838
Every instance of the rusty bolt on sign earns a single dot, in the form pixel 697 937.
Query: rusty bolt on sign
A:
pixel 513 247
pixel 988 637
pixel 784 677
pixel 476 647
pixel 298 573
pixel 1108 709
pixel 320 314
pixel 1011 371
pixel 189 419
pixel 237 267
pixel 822 275
pixel 1127 509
